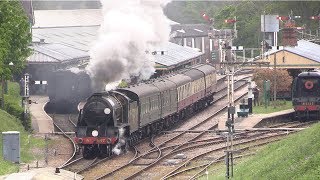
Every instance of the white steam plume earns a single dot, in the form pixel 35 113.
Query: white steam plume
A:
pixel 130 28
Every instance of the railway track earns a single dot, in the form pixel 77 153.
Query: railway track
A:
pixel 242 143
pixel 141 164
pixel 80 170
pixel 133 163
pixel 65 122
pixel 73 154
pixel 75 163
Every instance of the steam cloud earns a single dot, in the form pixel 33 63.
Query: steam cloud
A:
pixel 130 28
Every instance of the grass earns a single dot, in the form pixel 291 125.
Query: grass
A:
pixel 14 92
pixel 280 106
pixel 296 157
pixel 27 142
pixel 11 123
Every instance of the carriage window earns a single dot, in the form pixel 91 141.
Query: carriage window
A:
pixel 149 104
pixel 163 100
pixel 143 109
pixel 197 85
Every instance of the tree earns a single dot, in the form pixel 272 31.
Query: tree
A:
pixel 189 12
pixel 15 38
pixel 284 80
pixel 248 16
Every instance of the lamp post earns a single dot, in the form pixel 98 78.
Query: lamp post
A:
pixel 3 85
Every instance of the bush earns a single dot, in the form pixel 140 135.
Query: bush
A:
pixel 12 104
pixel 284 80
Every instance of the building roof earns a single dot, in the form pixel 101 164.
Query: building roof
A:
pixel 78 29
pixel 63 18
pixel 55 53
pixel 175 54
pixel 67 18
pixel 305 49
pixel 80 37
pixel 189 30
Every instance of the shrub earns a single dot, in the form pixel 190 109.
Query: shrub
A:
pixel 284 80
pixel 12 105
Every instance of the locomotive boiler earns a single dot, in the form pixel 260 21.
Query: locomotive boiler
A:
pixel 110 121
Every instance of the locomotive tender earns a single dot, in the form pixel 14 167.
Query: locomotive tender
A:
pixel 306 94
pixel 111 120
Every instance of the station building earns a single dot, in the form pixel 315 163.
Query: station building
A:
pixel 305 56
pixel 49 57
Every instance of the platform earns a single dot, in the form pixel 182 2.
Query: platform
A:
pixel 252 120
pixel 41 122
pixel 43 173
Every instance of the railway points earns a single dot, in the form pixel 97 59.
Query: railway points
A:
pixel 158 141
pixel 164 128
pixel 246 124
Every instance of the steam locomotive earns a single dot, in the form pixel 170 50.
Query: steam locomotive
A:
pixel 306 94
pixel 110 121
pixel 66 88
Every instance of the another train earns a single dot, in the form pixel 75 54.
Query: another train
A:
pixel 66 88
pixel 109 121
pixel 306 95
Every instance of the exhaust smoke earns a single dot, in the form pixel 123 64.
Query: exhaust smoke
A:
pixel 130 28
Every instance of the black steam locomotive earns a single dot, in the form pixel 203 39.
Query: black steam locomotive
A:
pixel 306 94
pixel 111 120
pixel 66 88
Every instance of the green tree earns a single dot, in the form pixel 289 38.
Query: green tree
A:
pixel 249 12
pixel 15 38
pixel 189 12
